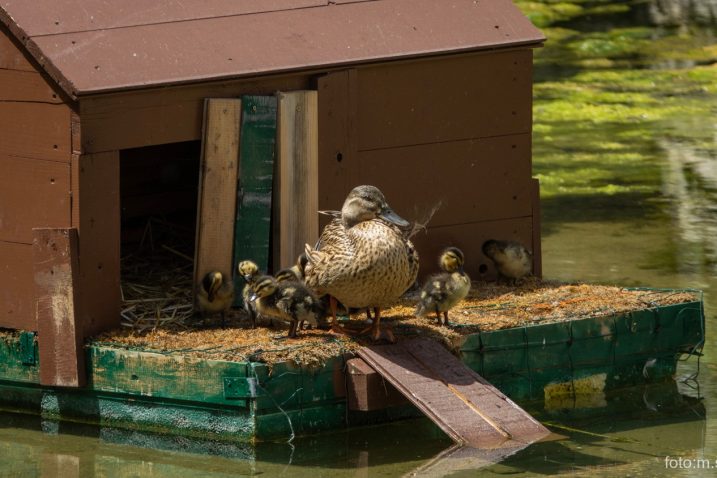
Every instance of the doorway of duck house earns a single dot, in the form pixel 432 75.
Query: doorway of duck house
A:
pixel 158 204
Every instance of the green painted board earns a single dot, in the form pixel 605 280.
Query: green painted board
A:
pixel 164 376
pixel 18 357
pixel 252 233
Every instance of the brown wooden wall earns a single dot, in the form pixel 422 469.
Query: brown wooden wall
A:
pixel 455 130
pixel 35 184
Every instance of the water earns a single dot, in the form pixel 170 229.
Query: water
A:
pixel 625 146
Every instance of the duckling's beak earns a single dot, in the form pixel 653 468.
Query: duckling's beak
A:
pixel 253 297
pixel 389 215
pixel 460 269
pixel 247 277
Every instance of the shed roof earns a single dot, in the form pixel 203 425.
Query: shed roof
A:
pixel 93 46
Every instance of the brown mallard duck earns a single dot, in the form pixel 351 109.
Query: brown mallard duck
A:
pixel 363 259
pixel 289 301
pixel 443 291
pixel 512 260
pixel 215 295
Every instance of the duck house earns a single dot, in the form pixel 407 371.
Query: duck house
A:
pixel 103 117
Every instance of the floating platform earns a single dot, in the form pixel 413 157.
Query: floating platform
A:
pixel 245 402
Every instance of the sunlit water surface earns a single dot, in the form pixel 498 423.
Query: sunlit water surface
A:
pixel 625 146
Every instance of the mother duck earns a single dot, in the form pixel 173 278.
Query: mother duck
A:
pixel 363 258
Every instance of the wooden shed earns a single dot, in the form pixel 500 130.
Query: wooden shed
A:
pixel 101 118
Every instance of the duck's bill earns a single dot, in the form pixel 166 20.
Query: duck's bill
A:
pixel 394 218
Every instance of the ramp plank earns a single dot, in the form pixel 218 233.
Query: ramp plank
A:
pixel 463 404
pixel 217 187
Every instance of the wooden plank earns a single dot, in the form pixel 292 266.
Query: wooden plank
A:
pixel 458 400
pixel 537 248
pixel 95 186
pixel 139 118
pixel 60 330
pixel 480 96
pixel 502 411
pixel 473 180
pixel 366 390
pixel 256 171
pixel 336 149
pixel 50 17
pixel 12 57
pixel 35 130
pixel 298 178
pixel 216 209
pixel 469 238
pixel 17 287
pixel 33 193
pixel 18 85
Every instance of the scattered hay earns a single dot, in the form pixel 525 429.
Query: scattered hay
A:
pixel 158 317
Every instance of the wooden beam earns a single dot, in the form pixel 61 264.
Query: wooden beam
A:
pixel 537 249
pixel 366 390
pixel 298 178
pixel 256 171
pixel 217 187
pixel 60 333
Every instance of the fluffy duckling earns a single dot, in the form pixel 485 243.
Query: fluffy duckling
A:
pixel 512 260
pixel 215 295
pixel 295 272
pixel 249 271
pixel 363 258
pixel 289 301
pixel 443 291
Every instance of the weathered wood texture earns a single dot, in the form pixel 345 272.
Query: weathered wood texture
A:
pixel 467 148
pixel 367 390
pixel 216 209
pixel 170 115
pixel 17 294
pixel 35 130
pixel 457 98
pixel 254 192
pixel 95 185
pixel 33 193
pixel 60 332
pixel 12 57
pixel 463 404
pixel 205 49
pixel 18 85
pixel 298 176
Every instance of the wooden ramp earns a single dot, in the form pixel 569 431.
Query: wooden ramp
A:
pixel 463 404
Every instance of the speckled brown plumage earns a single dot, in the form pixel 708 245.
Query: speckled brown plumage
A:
pixel 367 264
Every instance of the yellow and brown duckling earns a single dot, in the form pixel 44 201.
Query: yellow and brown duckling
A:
pixel 443 291
pixel 215 295
pixel 290 301
pixel 363 259
pixel 295 272
pixel 512 260
pixel 249 271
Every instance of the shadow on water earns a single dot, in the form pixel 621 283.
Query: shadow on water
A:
pixel 32 446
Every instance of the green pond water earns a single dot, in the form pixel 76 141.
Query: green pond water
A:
pixel 625 146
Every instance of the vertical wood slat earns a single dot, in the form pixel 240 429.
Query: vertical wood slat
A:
pixel 537 249
pixel 298 176
pixel 217 187
pixel 60 332
pixel 252 234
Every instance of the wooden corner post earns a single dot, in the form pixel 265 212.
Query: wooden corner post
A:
pixel 60 334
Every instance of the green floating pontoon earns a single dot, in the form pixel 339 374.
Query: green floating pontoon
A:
pixel 245 402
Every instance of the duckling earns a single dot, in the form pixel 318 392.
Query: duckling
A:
pixel 443 291
pixel 512 260
pixel 289 301
pixel 363 259
pixel 215 295
pixel 295 272
pixel 249 271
